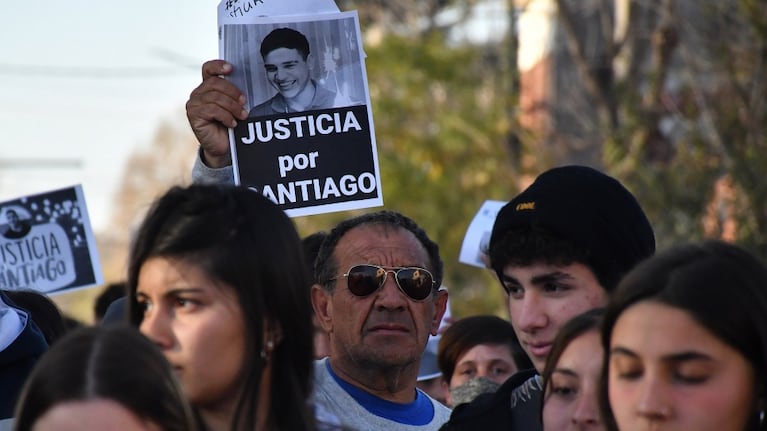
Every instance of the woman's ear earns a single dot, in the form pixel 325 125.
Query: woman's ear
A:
pixel 273 333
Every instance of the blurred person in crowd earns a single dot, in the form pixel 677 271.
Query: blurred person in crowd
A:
pixel 429 378
pixel 378 296
pixel 217 281
pixel 106 378
pixel 558 248
pixel 476 355
pixel 43 311
pixel 685 338
pixel 109 294
pixel 21 345
pixel 571 376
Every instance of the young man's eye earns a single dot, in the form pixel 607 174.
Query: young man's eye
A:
pixel 270 69
pixel 513 290
pixel 554 287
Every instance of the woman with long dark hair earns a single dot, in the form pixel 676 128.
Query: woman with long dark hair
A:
pixel 217 280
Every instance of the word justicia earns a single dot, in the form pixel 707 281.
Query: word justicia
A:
pixel 31 248
pixel 298 127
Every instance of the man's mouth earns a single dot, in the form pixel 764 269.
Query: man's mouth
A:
pixel 284 86
pixel 539 349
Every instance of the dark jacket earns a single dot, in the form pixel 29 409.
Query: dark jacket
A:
pixel 490 412
pixel 16 362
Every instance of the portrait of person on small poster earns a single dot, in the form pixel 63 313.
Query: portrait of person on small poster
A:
pixel 309 143
pixel 47 244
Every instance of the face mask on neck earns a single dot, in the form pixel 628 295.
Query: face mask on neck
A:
pixel 472 389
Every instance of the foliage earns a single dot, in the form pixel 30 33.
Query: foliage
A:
pixel 687 117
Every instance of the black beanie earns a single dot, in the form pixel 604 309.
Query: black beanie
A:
pixel 588 208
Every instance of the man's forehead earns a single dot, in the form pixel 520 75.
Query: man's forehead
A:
pixel 381 241
pixel 281 55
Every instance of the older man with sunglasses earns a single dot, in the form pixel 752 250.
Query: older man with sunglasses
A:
pixel 379 299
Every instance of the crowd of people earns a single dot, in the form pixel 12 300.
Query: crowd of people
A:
pixel 232 322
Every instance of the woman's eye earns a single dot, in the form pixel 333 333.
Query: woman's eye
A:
pixel 144 306
pixel 629 374
pixel 563 391
pixel 690 378
pixel 186 303
pixel 624 368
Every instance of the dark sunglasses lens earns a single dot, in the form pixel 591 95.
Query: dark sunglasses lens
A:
pixel 364 279
pixel 415 282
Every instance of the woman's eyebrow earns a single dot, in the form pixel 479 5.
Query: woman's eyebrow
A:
pixel 619 350
pixel 690 355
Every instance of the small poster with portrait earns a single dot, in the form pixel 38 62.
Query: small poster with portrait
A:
pixel 308 143
pixel 47 244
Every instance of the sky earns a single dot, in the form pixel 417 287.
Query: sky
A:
pixel 84 84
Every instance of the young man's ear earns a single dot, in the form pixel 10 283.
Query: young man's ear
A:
pixel 323 307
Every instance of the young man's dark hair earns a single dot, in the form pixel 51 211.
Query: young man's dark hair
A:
pixel 285 38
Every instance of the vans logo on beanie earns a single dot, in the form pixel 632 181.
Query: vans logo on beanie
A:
pixel 525 206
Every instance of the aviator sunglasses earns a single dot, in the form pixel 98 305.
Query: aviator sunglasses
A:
pixel 363 280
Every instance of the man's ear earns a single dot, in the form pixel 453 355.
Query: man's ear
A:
pixel 440 306
pixel 323 307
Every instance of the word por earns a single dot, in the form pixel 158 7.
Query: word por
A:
pixel 299 161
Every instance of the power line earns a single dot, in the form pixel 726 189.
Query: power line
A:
pixel 38 163
pixel 36 71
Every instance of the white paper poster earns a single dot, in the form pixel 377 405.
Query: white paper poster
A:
pixel 309 141
pixel 477 239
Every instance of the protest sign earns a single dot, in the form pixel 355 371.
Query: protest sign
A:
pixel 309 143
pixel 47 244
pixel 477 240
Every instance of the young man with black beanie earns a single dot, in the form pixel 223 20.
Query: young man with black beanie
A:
pixel 558 248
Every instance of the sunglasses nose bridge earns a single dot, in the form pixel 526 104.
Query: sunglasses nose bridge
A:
pixel 395 279
pixel 386 277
